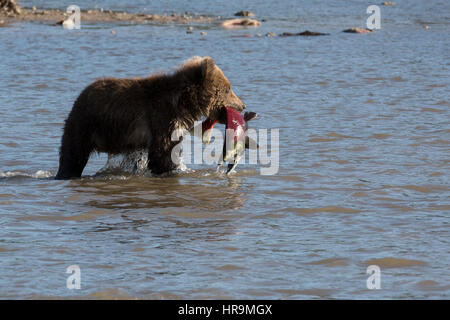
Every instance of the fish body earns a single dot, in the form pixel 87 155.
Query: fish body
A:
pixel 236 137
pixel 234 145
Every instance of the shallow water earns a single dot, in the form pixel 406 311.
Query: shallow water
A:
pixel 364 160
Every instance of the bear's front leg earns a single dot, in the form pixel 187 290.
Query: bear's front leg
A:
pixel 160 156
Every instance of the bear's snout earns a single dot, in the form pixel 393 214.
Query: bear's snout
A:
pixel 235 103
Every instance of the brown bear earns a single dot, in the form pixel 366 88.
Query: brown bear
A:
pixel 119 116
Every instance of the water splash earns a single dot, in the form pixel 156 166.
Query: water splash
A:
pixel 133 163
pixel 40 174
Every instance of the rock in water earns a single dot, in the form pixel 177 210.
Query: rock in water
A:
pixel 9 6
pixel 357 30
pixel 244 13
pixel 240 23
pixel 306 33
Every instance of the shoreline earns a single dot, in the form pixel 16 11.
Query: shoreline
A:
pixel 92 16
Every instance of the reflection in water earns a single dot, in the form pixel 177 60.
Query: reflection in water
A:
pixel 194 192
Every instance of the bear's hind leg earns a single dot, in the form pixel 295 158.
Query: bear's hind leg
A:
pixel 73 157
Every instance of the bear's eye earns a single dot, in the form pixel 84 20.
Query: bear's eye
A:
pixel 227 89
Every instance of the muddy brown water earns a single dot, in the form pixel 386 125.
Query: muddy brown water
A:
pixel 363 176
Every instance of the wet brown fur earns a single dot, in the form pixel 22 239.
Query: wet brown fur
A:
pixel 123 115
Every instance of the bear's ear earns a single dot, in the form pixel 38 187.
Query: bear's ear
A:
pixel 208 66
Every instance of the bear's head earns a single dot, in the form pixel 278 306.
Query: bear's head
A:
pixel 215 89
pixel 219 87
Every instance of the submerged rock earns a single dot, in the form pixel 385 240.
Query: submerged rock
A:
pixel 306 33
pixel 357 30
pixel 243 36
pixel 244 13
